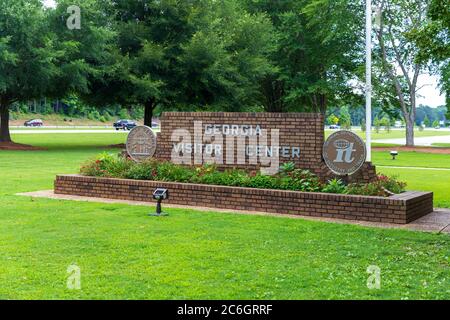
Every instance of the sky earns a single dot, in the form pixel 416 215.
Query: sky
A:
pixel 49 3
pixel 428 95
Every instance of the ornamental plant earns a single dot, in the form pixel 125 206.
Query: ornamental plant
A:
pixel 288 177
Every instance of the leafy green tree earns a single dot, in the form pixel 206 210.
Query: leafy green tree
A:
pixel 436 124
pixel 26 55
pixel 319 53
pixel 377 124
pixel 89 52
pixel 433 42
pixel 345 119
pixel 186 54
pixel 394 51
pixel 332 119
pixel 41 57
pixel 386 123
pixel 426 122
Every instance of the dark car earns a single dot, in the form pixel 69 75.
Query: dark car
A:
pixel 155 124
pixel 124 124
pixel 335 127
pixel 34 123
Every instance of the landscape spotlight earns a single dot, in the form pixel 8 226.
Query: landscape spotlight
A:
pixel 394 154
pixel 159 195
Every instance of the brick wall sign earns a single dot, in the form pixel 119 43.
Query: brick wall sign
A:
pixel 400 208
pixel 250 141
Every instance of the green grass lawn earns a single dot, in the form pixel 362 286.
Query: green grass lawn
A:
pixel 394 134
pixel 124 254
pixel 411 159
pixel 442 145
pixel 437 181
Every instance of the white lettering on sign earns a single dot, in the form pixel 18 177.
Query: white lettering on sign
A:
pixel 250 150
pixel 232 130
pixel 230 144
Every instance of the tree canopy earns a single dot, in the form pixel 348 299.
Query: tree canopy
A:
pixel 186 54
pixel 234 55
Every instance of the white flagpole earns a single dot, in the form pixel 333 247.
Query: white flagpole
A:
pixel 369 79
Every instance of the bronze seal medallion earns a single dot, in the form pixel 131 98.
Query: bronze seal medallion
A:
pixel 141 143
pixel 344 152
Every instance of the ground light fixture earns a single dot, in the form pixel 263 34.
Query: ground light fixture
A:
pixel 159 195
pixel 394 154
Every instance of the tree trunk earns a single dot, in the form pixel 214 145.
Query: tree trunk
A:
pixel 272 91
pixel 4 122
pixel 409 131
pixel 148 112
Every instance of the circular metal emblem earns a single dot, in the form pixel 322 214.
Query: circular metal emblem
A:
pixel 141 143
pixel 344 152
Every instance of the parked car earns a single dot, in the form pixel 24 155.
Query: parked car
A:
pixel 34 123
pixel 124 124
pixel 335 126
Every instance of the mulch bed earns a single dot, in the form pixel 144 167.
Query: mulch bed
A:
pixel 19 147
pixel 119 146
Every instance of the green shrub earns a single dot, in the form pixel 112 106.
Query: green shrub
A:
pixel 304 180
pixel 263 182
pixel 335 186
pixel 287 167
pixel 289 178
pixel 141 171
pixel 167 171
pixel 391 184
pixel 368 189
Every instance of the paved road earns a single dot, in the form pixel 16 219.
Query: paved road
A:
pixel 422 141
pixel 40 131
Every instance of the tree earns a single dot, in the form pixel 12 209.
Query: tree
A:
pixel 186 54
pixel 318 55
pixel 426 122
pixel 436 124
pixel 377 124
pixel 432 41
pixel 41 57
pixel 332 119
pixel 397 52
pixel 386 123
pixel 26 54
pixel 345 119
pixel 86 54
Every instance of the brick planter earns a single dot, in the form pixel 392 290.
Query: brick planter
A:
pixel 402 208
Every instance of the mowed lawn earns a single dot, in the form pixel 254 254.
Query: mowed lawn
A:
pixel 124 254
pixel 411 159
pixel 395 134
pixel 425 179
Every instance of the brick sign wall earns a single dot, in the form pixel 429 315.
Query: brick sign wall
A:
pixel 301 138
pixel 401 208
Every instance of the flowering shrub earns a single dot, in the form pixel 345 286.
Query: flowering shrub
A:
pixel 391 184
pixel 288 178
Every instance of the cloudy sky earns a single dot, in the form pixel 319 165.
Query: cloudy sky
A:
pixel 49 3
pixel 428 95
